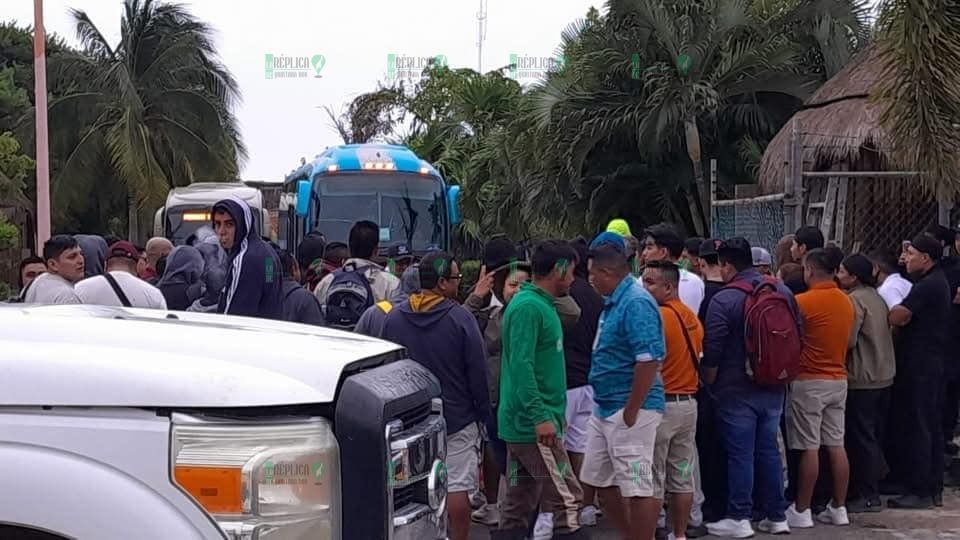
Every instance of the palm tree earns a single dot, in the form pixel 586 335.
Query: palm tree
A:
pixel 920 85
pixel 157 106
pixel 689 76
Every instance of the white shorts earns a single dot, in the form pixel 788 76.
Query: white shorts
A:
pixel 580 407
pixel 463 459
pixel 621 456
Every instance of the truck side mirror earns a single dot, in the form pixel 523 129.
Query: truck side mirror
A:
pixel 453 204
pixel 304 191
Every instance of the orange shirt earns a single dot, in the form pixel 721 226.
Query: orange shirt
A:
pixel 827 322
pixel 679 375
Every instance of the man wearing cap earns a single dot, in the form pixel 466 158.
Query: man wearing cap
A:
pixel 922 321
pixel 710 272
pixel 399 258
pixel 119 285
pixel 762 260
pixel 748 414
pixel 619 226
pixel 628 392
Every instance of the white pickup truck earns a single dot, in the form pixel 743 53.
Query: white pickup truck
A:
pixel 138 424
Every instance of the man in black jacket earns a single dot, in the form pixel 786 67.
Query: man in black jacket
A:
pixel 299 305
pixel 254 273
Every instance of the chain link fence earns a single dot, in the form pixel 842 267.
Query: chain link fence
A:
pixel 758 219
pixel 879 212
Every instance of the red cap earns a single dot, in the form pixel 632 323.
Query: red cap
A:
pixel 122 248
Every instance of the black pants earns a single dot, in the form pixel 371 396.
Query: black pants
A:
pixel 866 414
pixel 951 405
pixel 916 432
pixel 713 459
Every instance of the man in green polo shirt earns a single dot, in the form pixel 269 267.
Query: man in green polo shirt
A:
pixel 533 391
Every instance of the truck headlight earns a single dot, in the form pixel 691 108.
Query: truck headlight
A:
pixel 275 480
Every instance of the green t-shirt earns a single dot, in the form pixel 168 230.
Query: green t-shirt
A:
pixel 533 377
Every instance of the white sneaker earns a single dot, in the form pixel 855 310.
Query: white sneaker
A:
pixel 543 530
pixel 774 527
pixel 670 536
pixel 588 516
pixel 799 520
pixel 488 514
pixel 834 516
pixel 733 528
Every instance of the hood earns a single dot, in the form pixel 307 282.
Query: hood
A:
pixel 425 319
pixel 94 249
pixel 117 357
pixel 184 265
pixel 243 217
pixel 410 280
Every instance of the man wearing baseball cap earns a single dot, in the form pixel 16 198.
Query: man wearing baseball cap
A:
pixel 922 320
pixel 119 284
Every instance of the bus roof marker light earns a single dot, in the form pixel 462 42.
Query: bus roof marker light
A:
pixel 424 170
pixel 332 168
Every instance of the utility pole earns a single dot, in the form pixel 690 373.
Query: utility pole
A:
pixel 43 150
pixel 481 33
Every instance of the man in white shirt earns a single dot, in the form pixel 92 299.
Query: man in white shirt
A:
pixel 893 287
pixel 119 285
pixel 663 243
pixel 64 268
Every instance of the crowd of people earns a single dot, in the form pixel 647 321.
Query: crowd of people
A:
pixel 676 386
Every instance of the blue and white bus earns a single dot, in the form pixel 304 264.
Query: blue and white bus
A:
pixel 386 184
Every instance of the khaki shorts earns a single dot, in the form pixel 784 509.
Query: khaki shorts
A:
pixel 463 459
pixel 621 456
pixel 676 448
pixel 816 413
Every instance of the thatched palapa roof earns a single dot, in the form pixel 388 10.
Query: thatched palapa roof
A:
pixel 836 133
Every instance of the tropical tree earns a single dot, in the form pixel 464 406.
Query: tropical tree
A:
pixel 690 78
pixel 920 86
pixel 152 112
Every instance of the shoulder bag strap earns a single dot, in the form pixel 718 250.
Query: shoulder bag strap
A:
pixel 117 290
pixel 686 337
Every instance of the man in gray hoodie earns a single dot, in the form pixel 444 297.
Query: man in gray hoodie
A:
pixel 371 322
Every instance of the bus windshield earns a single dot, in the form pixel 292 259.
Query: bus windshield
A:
pixel 408 208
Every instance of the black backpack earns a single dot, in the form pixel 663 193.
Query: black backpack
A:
pixel 348 296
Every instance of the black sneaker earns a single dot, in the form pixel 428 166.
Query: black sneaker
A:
pixel 863 506
pixel 661 533
pixel 938 500
pixel 696 532
pixel 910 502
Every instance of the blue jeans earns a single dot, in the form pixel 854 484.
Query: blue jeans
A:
pixel 748 425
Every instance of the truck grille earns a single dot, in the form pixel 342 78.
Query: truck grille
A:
pixel 404 496
pixel 412 417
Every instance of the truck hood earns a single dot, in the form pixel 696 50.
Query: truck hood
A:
pixel 121 357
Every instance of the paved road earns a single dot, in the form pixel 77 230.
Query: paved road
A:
pixel 939 524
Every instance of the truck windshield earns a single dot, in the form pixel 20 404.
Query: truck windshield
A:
pixel 183 222
pixel 407 207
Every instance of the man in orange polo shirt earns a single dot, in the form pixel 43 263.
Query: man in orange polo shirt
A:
pixel 817 399
pixel 675 450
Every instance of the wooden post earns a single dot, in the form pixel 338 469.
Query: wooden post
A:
pixel 713 196
pixel 792 185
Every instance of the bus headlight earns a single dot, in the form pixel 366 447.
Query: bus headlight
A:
pixel 277 480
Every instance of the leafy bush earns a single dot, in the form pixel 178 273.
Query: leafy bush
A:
pixel 470 270
pixel 9 234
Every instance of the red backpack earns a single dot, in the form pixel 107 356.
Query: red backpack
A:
pixel 771 333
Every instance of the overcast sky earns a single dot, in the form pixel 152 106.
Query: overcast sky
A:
pixel 280 117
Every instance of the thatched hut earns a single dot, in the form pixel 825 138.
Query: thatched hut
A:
pixel 839 130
